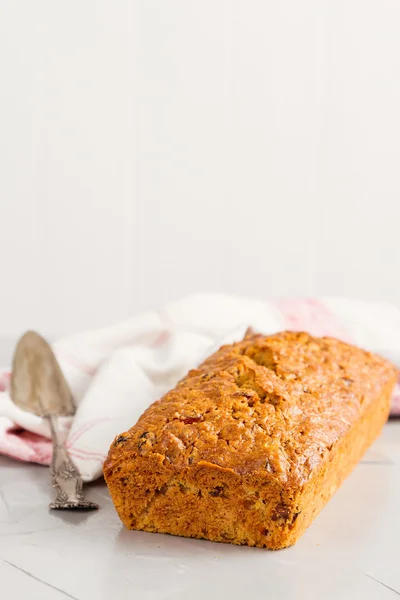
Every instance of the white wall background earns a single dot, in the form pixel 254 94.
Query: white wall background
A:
pixel 152 148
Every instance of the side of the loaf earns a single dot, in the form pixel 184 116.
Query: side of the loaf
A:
pixel 250 446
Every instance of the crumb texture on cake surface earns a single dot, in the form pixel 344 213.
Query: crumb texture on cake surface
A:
pixel 234 451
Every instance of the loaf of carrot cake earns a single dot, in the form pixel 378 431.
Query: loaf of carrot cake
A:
pixel 249 447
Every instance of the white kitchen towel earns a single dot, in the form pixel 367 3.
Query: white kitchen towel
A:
pixel 116 372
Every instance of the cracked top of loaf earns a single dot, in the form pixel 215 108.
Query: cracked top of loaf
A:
pixel 271 406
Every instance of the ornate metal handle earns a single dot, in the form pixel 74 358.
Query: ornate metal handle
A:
pixel 65 476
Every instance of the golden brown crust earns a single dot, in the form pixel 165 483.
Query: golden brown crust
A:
pixel 248 447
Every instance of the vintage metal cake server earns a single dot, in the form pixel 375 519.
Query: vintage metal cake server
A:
pixel 38 386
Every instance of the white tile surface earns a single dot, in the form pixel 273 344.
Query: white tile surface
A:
pixel 351 551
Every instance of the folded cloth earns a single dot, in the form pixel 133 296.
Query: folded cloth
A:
pixel 116 372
